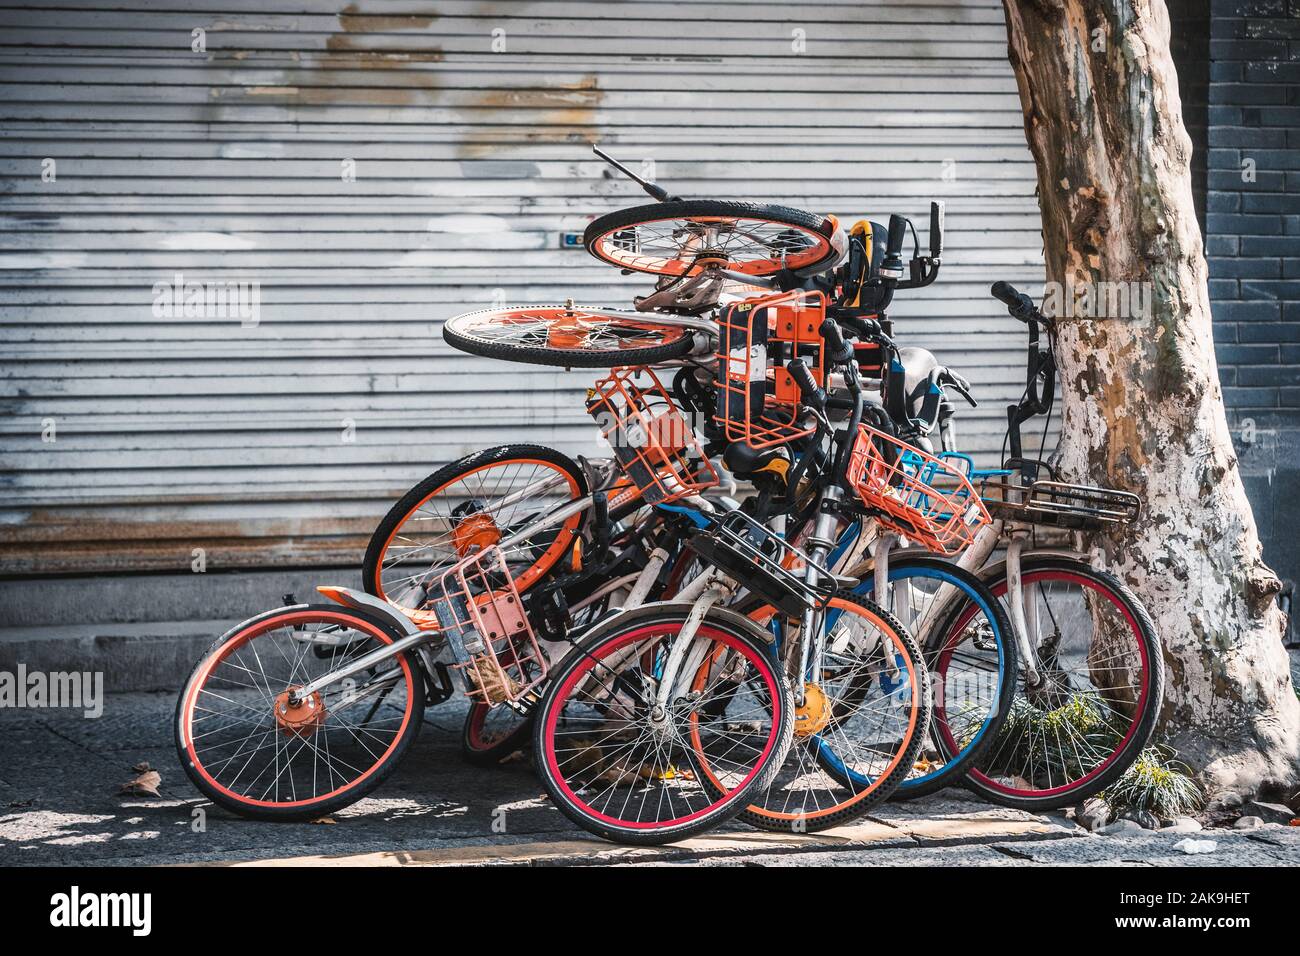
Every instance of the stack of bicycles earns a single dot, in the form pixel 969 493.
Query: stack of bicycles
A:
pixel 872 617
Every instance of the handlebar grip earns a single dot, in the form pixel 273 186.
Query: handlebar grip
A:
pixel 1018 304
pixel 936 229
pixel 839 349
pixel 1006 293
pixel 897 233
pixel 808 390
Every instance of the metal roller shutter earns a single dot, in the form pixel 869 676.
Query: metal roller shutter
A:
pixel 280 443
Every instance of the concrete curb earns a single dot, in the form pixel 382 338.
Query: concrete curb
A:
pixel 132 657
pixel 867 835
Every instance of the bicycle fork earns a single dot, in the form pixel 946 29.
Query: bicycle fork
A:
pixel 1024 610
pixel 818 545
pixel 686 654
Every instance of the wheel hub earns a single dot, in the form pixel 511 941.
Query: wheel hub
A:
pixel 302 718
pixel 474 533
pixel 812 716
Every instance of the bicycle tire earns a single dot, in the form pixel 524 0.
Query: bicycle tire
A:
pixel 223 796
pixel 481 752
pixel 447 475
pixel 817 225
pixel 555 357
pixel 823 755
pixel 969 587
pixel 737 630
pixel 1142 729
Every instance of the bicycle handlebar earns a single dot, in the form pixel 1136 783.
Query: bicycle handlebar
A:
pixel 868 330
pixel 1019 305
pixel 839 351
pixel 809 393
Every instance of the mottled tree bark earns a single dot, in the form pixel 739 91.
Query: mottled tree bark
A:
pixel 1143 410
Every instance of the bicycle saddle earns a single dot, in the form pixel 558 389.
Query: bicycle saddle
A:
pixel 914 393
pixel 743 459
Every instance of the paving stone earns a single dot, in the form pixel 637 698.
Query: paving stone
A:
pixel 1152 849
pixel 62 773
pixel 1122 827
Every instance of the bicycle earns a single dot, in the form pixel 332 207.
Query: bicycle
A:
pixel 1092 678
pixel 1075 715
pixel 695 255
pixel 483 598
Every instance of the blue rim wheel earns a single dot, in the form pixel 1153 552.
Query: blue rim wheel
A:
pixel 972 669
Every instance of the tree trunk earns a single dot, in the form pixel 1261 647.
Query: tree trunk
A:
pixel 1143 410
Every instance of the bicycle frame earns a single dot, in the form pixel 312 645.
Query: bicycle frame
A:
pixel 707 592
pixel 704 593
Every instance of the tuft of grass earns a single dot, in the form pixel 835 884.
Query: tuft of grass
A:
pixel 1158 783
pixel 1058 744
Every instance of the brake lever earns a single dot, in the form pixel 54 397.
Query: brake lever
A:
pixel 959 385
pixel 970 399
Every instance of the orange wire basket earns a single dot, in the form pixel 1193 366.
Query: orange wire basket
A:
pixel 758 400
pixel 929 500
pixel 653 442
pixel 486 625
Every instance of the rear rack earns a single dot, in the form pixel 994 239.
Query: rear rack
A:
pixel 1060 505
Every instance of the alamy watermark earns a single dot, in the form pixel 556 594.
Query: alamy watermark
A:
pixel 133 911
pixel 664 432
pixel 23 689
pixel 221 299
pixel 1097 300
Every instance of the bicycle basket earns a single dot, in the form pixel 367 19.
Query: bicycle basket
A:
pixel 762 561
pixel 758 400
pixel 927 499
pixel 653 442
pixel 487 629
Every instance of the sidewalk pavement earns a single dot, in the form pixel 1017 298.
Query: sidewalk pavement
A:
pixel 60 776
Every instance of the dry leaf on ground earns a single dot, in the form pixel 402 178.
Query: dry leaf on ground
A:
pixel 145 785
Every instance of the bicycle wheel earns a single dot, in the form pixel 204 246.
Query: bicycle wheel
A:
pixel 863 722
pixel 248 748
pixel 567 337
pixel 972 666
pixel 476 501
pixel 1099 697
pixel 624 772
pixel 492 733
pixel 682 237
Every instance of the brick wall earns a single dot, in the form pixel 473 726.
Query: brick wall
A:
pixel 1252 228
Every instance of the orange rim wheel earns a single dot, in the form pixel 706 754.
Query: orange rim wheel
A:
pixel 482 499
